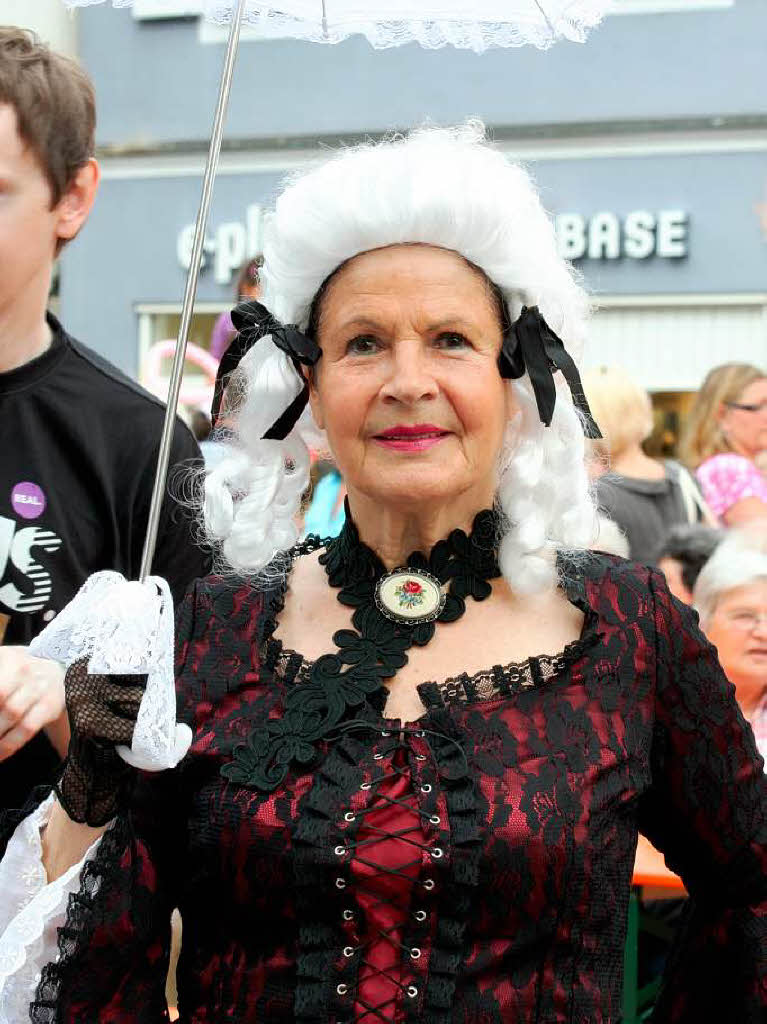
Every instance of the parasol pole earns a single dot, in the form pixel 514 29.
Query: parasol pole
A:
pixel 190 292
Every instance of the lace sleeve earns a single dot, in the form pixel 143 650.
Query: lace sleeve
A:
pixel 707 812
pixel 95 944
pixel 31 912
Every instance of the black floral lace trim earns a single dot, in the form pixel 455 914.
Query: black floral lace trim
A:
pixel 290 667
pixel 315 835
pixel 461 873
pixel 83 915
pixel 374 650
pixel 505 680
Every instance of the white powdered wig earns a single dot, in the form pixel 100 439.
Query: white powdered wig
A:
pixel 739 560
pixel 446 187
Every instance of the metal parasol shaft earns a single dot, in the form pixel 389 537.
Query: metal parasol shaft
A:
pixel 190 292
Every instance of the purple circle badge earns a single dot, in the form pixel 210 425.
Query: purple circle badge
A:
pixel 28 500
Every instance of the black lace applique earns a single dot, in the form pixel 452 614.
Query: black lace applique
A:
pixel 372 651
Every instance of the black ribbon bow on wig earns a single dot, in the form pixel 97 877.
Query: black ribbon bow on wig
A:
pixel 530 344
pixel 253 322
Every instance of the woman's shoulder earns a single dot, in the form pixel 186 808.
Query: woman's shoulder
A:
pixel 609 584
pixel 727 478
pixel 221 597
pixel 725 462
pixel 218 610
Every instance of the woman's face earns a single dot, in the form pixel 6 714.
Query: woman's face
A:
pixel 746 429
pixel 738 629
pixel 408 389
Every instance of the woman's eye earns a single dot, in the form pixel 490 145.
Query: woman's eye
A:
pixel 362 345
pixel 452 339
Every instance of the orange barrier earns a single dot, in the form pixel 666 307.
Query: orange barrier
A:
pixel 650 869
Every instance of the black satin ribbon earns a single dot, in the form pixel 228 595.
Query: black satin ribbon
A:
pixel 531 345
pixel 253 321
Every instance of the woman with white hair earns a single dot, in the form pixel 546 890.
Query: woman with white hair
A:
pixel 422 750
pixel 731 598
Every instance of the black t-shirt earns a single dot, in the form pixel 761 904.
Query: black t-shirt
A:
pixel 78 449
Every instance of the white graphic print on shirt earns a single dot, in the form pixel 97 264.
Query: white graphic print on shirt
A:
pixel 16 548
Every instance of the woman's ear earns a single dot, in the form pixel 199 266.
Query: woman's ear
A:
pixel 315 402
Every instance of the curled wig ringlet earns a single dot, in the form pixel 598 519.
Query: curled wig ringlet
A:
pixel 445 187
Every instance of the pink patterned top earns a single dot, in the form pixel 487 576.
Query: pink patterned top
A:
pixel 727 478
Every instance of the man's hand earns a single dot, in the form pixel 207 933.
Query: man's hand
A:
pixel 31 697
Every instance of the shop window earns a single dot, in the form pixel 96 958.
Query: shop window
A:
pixel 158 327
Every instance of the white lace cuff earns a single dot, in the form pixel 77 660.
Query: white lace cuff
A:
pixel 126 628
pixel 31 912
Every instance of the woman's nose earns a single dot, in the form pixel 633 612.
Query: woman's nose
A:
pixel 411 378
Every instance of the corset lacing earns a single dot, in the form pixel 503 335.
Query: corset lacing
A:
pixel 386 857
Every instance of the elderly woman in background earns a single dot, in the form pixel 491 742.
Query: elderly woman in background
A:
pixel 725 437
pixel 731 598
pixel 643 496
pixel 421 750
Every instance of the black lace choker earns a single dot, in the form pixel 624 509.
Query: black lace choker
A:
pixel 375 649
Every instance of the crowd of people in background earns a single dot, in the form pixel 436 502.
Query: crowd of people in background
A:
pixel 701 519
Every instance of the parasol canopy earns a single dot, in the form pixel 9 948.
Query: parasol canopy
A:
pixel 467 24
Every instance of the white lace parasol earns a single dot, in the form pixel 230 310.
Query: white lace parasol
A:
pixel 467 24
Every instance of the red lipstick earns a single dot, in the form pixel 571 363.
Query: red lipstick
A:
pixel 416 437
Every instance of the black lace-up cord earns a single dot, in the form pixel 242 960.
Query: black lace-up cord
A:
pixel 412 730
pixel 376 1012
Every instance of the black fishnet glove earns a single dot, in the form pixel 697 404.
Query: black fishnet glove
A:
pixel 102 713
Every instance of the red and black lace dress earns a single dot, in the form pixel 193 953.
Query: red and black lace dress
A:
pixel 472 867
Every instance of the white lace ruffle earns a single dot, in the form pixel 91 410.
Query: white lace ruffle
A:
pixel 31 912
pixel 431 23
pixel 126 627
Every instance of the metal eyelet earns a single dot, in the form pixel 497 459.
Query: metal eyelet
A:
pixel 365 785
pixel 420 757
pixel 436 852
pixel 428 883
pixel 348 950
pixel 350 816
pixel 348 915
pixel 384 733
pixel 420 915
pixel 415 953
pixel 340 883
pixel 426 787
pixel 435 820
pixel 340 851
pixel 420 734
pixel 412 991
pixel 378 757
pixel 342 989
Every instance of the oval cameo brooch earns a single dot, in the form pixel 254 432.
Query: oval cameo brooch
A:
pixel 409 596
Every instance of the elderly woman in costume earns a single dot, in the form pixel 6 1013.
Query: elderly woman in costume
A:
pixel 422 751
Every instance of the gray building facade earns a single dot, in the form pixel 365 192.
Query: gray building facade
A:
pixel 649 144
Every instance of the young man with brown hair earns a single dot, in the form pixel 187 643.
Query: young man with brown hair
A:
pixel 78 439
